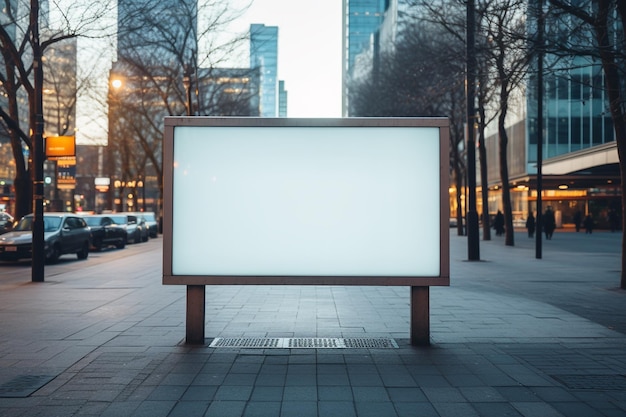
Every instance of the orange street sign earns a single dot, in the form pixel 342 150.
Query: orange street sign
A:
pixel 60 146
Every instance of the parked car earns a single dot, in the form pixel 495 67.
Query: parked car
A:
pixel 6 222
pixel 105 232
pixel 135 226
pixel 63 233
pixel 151 221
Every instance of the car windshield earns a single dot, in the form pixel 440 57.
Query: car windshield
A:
pixel 149 217
pixel 119 220
pixel 50 224
pixel 25 223
pixel 92 221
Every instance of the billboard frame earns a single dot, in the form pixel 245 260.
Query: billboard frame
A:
pixel 420 328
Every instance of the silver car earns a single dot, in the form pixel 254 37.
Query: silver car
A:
pixel 63 233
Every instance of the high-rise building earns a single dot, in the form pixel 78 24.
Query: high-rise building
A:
pixel 580 165
pixel 157 32
pixel 361 21
pixel 282 99
pixel 264 55
pixel 228 91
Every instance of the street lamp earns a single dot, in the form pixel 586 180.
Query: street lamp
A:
pixel 115 84
pixel 142 185
pixel 473 245
pixel 187 85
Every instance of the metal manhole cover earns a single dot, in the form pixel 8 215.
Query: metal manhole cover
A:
pixel 305 343
pixel 593 382
pixel 24 385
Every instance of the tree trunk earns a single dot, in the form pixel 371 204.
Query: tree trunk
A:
pixel 509 237
pixel 484 180
pixel 458 179
pixel 613 87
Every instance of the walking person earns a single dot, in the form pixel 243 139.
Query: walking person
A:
pixel 588 223
pixel 530 224
pixel 578 219
pixel 498 223
pixel 549 223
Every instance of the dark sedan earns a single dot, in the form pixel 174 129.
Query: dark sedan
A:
pixel 105 232
pixel 6 222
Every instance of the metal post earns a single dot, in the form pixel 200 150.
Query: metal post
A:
pixel 473 239
pixel 539 221
pixel 38 256
pixel 420 316
pixel 187 84
pixel 196 295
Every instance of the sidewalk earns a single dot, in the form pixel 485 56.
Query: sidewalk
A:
pixel 511 336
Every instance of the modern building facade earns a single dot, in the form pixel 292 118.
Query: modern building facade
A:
pixel 143 25
pixel 580 171
pixel 264 56
pixel 228 91
pixel 580 165
pixel 362 20
pixel 282 99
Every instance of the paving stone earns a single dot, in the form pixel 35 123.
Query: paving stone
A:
pixel 336 409
pixel 510 338
pixel 299 408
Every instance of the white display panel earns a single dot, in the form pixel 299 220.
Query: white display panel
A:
pixel 349 201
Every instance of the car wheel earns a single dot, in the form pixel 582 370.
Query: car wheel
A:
pixel 121 244
pixel 97 244
pixel 84 252
pixel 54 255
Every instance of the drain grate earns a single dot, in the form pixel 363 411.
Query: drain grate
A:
pixel 593 382
pixel 24 385
pixel 304 343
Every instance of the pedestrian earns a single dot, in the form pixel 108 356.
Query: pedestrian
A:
pixel 613 220
pixel 578 219
pixel 498 223
pixel 530 225
pixel 549 223
pixel 588 223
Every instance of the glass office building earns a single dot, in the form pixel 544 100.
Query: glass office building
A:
pixel 361 20
pixel 580 171
pixel 264 56
pixel 143 24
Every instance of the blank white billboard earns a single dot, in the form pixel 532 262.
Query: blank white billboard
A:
pixel 297 199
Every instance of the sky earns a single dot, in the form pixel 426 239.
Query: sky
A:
pixel 309 59
pixel 309 51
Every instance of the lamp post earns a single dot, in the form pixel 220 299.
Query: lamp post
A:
pixel 539 221
pixel 38 244
pixel 141 184
pixel 187 85
pixel 119 200
pixel 115 84
pixel 473 248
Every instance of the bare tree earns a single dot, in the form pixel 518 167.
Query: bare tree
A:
pixel 422 76
pixel 450 15
pixel 605 20
pixel 503 22
pixel 21 47
pixel 163 72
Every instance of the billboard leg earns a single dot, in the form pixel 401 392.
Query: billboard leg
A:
pixel 195 314
pixel 420 316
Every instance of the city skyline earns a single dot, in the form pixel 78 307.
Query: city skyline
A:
pixel 309 61
pixel 309 51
